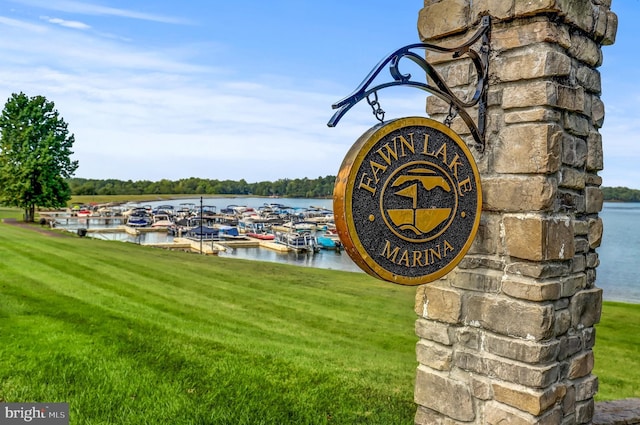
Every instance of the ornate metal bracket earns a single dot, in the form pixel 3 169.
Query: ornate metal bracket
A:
pixel 439 88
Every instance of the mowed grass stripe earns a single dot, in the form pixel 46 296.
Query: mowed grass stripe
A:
pixel 124 263
pixel 126 285
pixel 146 347
pixel 128 270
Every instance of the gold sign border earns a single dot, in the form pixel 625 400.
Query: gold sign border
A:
pixel 343 193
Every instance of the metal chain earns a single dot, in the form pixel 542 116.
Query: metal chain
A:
pixel 453 112
pixel 375 107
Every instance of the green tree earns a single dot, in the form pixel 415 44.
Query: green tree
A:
pixel 35 150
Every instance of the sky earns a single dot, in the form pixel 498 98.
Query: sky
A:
pixel 160 89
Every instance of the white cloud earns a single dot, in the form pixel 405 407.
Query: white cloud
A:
pixel 83 8
pixel 68 24
pixel 78 52
pixel 15 23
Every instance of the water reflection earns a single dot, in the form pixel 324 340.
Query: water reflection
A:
pixel 323 259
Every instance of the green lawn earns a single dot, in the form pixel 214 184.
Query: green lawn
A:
pixel 135 335
pixel 617 351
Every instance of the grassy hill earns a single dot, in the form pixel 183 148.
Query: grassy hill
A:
pixel 128 334
pixel 136 335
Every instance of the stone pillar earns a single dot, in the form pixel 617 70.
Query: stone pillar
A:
pixel 507 337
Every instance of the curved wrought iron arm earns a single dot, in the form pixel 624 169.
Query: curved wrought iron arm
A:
pixel 439 87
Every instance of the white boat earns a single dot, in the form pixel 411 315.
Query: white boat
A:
pixel 229 232
pixel 185 209
pixel 139 220
pixel 84 212
pixel 162 221
pixel 105 211
pixel 296 227
pixel 318 215
pixel 299 242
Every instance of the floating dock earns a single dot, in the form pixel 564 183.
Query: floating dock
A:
pixel 85 222
pixel 239 243
pixel 206 247
pixel 274 246
pixel 137 230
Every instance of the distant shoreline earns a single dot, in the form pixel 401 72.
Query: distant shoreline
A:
pixel 123 199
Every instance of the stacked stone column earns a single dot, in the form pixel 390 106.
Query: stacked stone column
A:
pixel 507 337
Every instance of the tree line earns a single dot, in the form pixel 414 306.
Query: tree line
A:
pixel 321 187
pixel 620 194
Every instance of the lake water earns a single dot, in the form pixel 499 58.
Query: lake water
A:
pixel 618 273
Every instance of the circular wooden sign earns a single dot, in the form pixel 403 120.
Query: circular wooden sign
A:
pixel 407 200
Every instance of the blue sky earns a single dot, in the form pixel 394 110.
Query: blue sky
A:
pixel 230 90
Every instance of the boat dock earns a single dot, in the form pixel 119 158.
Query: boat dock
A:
pixel 137 230
pixel 204 247
pixel 67 220
pixel 274 246
pixel 214 247
pixel 96 225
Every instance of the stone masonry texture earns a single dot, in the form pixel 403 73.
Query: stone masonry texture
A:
pixel 507 336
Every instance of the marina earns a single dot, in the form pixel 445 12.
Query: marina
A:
pixel 266 229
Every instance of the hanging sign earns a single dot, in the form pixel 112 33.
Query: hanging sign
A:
pixel 407 200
